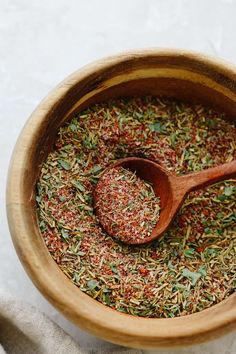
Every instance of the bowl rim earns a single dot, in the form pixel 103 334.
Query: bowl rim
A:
pixel 99 319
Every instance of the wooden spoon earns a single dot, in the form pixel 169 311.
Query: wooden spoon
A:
pixel 171 189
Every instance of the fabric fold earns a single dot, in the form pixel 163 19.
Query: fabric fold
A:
pixel 25 330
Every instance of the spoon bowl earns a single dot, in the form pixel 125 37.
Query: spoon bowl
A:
pixel 171 189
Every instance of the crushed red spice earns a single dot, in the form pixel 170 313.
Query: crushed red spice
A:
pixel 193 266
pixel 126 206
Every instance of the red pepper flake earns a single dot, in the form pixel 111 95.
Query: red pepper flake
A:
pixel 143 271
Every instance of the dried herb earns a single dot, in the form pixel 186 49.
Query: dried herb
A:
pixel 193 265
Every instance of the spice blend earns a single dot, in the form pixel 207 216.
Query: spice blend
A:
pixel 193 265
pixel 126 205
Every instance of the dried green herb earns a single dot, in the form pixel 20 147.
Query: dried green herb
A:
pixel 193 276
pixel 64 164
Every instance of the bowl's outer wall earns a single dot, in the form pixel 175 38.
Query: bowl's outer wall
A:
pixel 178 74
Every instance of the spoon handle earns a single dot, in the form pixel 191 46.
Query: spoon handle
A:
pixel 197 180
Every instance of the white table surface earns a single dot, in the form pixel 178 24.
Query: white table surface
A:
pixel 43 41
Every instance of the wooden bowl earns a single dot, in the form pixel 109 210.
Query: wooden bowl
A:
pixel 173 73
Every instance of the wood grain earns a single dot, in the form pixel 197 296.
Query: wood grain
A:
pixel 178 74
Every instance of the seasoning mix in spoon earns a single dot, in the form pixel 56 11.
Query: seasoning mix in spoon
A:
pixel 126 205
pixel 193 265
